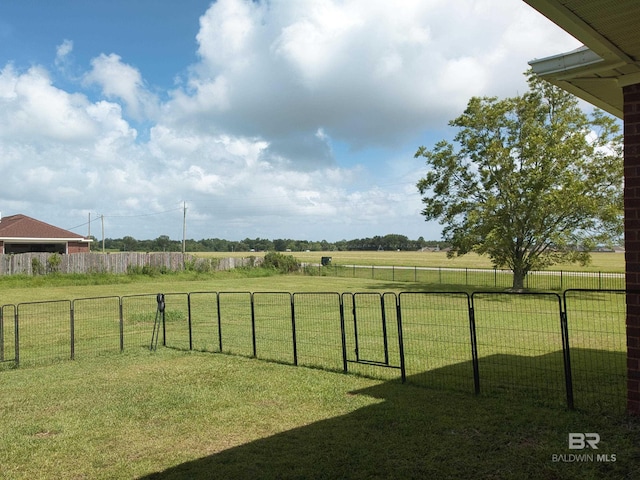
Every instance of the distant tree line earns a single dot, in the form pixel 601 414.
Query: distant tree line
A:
pixel 164 244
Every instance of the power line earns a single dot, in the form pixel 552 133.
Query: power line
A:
pixel 143 214
pixel 99 217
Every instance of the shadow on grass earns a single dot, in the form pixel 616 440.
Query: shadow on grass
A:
pixel 437 433
pixel 598 383
pixel 431 287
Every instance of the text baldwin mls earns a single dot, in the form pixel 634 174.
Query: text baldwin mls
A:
pixel 580 441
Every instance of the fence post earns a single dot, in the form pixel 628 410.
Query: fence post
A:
pixel 403 370
pixel 344 335
pixel 189 320
pixel 219 320
pixel 121 319
pixel 384 329
pixel 253 326
pixel 564 326
pixel 17 335
pixel 293 330
pixel 355 324
pixel 1 334
pixel 474 345
pixel 72 326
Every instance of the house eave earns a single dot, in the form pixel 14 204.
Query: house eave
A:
pixel 43 240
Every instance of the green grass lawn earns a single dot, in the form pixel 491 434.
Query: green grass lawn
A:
pixel 26 289
pixel 518 340
pixel 179 414
pixel 600 261
pixel 175 415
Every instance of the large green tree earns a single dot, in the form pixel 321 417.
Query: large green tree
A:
pixel 529 181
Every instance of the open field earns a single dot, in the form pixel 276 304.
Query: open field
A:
pixel 13 291
pixel 600 261
pixel 173 415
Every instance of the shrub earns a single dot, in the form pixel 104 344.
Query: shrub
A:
pixel 53 262
pixel 281 263
pixel 134 269
pixel 36 266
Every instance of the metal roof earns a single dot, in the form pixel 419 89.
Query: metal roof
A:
pixel 610 58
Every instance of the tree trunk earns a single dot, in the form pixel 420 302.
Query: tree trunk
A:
pixel 518 279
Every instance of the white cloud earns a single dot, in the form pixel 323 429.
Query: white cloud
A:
pixel 32 108
pixel 259 139
pixel 226 36
pixel 368 73
pixel 124 82
pixel 62 52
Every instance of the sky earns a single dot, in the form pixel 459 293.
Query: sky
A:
pixel 243 119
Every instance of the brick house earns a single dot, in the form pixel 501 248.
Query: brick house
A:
pixel 22 234
pixel 606 72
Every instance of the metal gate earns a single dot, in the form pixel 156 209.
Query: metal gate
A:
pixel 373 331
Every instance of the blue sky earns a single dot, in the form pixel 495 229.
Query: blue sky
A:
pixel 276 119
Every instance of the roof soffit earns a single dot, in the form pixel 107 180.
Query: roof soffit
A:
pixel 609 29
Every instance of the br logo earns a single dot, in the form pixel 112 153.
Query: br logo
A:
pixel 580 441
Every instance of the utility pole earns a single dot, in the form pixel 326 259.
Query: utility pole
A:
pixel 102 220
pixel 184 226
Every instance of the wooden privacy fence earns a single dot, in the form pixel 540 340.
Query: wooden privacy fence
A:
pixel 40 263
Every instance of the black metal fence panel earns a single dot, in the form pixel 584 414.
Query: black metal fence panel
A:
pixel 139 317
pixel 367 330
pixel 520 344
pixel 372 334
pixel 598 346
pixel 319 330
pixel 236 323
pixel 273 322
pixel 45 332
pixel 437 339
pixel 204 321
pixel 177 328
pixel 97 326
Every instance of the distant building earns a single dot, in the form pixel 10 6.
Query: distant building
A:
pixel 22 234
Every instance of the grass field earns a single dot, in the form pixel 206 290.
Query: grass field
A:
pixel 172 415
pixel 600 261
pixel 199 415
pixel 17 290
